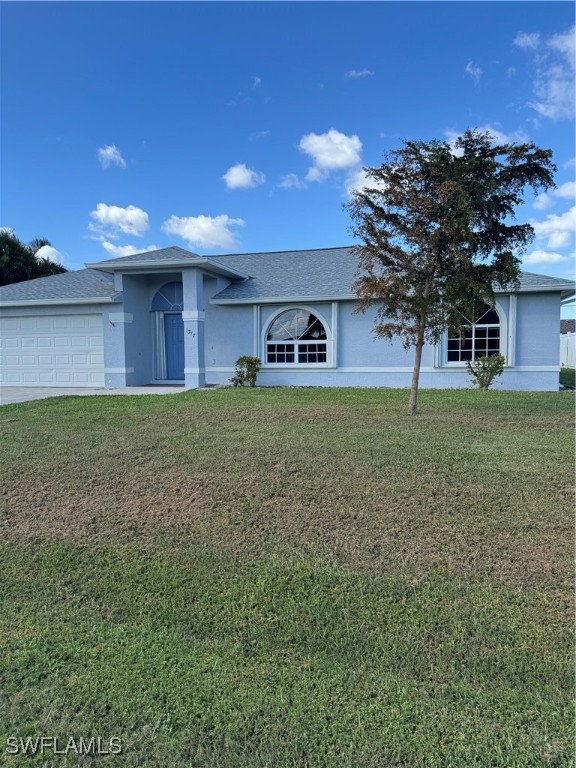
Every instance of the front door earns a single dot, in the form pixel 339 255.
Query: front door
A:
pixel 174 339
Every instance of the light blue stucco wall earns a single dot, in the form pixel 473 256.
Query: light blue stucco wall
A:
pixel 538 329
pixel 229 333
pixel 194 328
pixel 138 333
pixel 129 331
pixel 357 359
pixel 531 337
pixel 358 346
pixel 132 338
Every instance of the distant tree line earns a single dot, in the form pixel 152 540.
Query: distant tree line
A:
pixel 20 261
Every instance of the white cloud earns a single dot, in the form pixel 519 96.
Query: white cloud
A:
pixel 557 229
pixel 111 220
pixel 474 71
pixel 50 253
pixel 565 44
pixel 544 257
pixel 204 231
pixel 542 202
pixel 256 81
pixel 354 74
pixel 554 74
pixel 527 40
pixel 241 177
pixel 291 181
pixel 451 137
pixel 499 136
pixel 110 155
pixel 566 191
pixel 125 250
pixel 259 135
pixel 330 151
pixel 357 180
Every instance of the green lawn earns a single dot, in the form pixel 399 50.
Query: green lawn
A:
pixel 290 577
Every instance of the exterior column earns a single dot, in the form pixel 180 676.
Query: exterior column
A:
pixel 193 319
pixel 114 325
pixel 115 370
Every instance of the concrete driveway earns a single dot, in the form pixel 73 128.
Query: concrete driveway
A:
pixel 23 394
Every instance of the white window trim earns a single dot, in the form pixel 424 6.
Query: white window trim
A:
pixel 295 365
pixel 506 341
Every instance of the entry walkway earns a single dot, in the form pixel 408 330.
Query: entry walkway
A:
pixel 23 394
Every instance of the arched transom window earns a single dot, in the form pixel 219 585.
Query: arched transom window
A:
pixel 479 339
pixel 168 298
pixel 296 337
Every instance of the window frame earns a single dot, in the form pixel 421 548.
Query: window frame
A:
pixel 296 342
pixel 442 348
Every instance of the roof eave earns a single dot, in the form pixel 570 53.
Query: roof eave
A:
pixel 566 293
pixel 210 266
pixel 282 299
pixel 57 302
pixel 539 289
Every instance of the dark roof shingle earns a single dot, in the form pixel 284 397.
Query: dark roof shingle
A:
pixel 171 254
pixel 83 284
pixel 321 273
pixel 316 273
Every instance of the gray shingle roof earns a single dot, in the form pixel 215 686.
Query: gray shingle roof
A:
pixel 167 257
pixel 320 273
pixel 530 280
pixel 171 254
pixel 323 272
pixel 80 285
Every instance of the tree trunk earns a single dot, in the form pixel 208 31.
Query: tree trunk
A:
pixel 412 410
pixel 416 372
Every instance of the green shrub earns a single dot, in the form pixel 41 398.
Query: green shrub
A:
pixel 485 369
pixel 568 377
pixel 247 369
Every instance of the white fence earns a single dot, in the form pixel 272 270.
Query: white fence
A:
pixel 568 350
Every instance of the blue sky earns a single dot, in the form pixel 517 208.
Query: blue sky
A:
pixel 242 127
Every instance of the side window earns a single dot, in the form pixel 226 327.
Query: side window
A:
pixel 479 339
pixel 296 337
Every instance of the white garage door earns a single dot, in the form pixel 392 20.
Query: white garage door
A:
pixel 52 351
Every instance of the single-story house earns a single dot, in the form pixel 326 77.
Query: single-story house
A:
pixel 171 316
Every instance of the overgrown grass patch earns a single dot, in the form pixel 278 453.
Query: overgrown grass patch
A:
pixel 291 577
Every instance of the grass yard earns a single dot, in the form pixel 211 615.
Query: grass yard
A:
pixel 299 578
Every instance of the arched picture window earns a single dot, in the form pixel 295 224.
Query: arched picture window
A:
pixel 480 339
pixel 296 337
pixel 169 298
